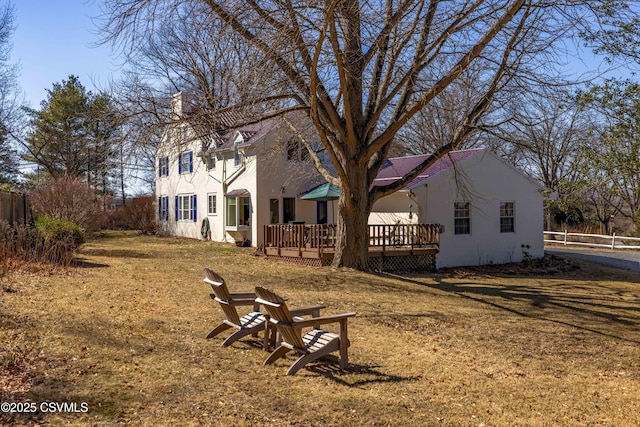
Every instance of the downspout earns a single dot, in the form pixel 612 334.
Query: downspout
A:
pixel 227 181
pixel 224 200
pixel 213 176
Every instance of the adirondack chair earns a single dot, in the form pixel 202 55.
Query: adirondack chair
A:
pixel 310 345
pixel 249 324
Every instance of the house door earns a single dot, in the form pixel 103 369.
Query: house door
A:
pixel 288 209
pixel 274 211
pixel 321 212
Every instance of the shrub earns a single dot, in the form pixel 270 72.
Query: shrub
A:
pixel 55 229
pixel 140 214
pixel 70 199
pixel 51 243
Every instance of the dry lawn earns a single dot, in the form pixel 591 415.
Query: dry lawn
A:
pixel 125 334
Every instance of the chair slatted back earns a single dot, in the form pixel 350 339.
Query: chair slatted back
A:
pixel 277 310
pixel 221 292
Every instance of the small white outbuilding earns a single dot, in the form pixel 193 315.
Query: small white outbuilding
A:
pixel 489 212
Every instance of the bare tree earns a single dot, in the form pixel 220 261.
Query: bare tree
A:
pixel 550 131
pixel 10 98
pixel 437 123
pixel 362 70
pixel 614 163
pixel 190 51
pixel 602 201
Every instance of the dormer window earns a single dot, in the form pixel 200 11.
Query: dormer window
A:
pixel 237 155
pixel 211 161
pixel 297 151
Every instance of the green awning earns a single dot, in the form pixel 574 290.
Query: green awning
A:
pixel 323 192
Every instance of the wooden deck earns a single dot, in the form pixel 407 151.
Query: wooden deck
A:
pixel 314 244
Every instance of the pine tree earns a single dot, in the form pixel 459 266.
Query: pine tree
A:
pixel 73 134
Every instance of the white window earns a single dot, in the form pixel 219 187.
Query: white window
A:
pixel 211 161
pixel 507 217
pixel 232 211
pixel 185 162
pixel 461 218
pixel 163 208
pixel 212 204
pixel 163 166
pixel 186 207
pixel 238 211
pixel 297 151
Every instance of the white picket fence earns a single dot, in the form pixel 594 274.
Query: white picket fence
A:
pixel 593 240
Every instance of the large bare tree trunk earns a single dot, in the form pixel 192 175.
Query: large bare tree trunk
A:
pixel 354 206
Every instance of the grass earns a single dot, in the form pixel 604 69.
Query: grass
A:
pixel 124 332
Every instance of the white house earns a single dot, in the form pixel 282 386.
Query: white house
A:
pixel 489 212
pixel 234 180
pixel 226 185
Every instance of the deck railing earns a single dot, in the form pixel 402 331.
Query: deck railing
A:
pixel 323 236
pixel 401 235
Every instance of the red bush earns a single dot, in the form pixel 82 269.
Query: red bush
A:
pixel 70 199
pixel 140 214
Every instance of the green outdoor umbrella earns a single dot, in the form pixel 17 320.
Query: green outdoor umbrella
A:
pixel 324 193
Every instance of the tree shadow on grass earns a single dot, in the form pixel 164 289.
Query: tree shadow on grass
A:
pixel 570 304
pixel 329 367
pixel 79 262
pixel 118 253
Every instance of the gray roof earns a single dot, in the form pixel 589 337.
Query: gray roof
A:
pixel 224 139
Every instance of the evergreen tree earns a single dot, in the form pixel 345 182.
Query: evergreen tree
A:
pixel 73 134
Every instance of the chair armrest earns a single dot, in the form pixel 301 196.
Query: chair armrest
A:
pixel 322 320
pixel 312 310
pixel 236 302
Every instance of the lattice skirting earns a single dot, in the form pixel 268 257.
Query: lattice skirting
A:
pixel 311 262
pixel 422 262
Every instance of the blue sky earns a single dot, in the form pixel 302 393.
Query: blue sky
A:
pixel 56 38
